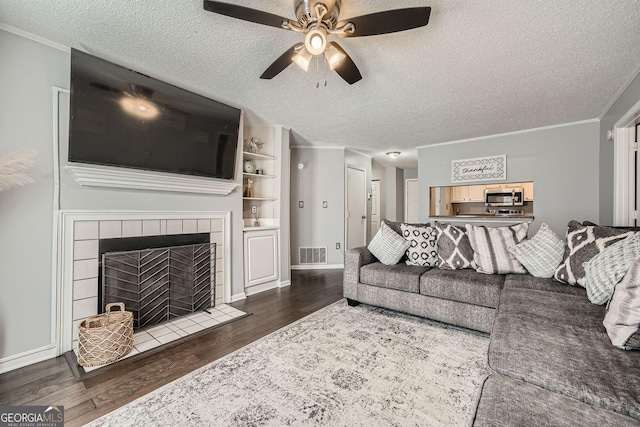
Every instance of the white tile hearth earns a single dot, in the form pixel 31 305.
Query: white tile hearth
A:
pixel 157 335
pixel 174 226
pixel 151 227
pixel 85 249
pixel 84 230
pixel 131 228
pixel 190 226
pixel 204 226
pixel 110 229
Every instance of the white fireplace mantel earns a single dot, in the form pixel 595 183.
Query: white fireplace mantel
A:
pixel 146 180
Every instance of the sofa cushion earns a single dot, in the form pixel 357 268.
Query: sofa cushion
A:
pixel 622 320
pixel 541 254
pixel 423 245
pixel 581 244
pixel 388 246
pixel 467 286
pixel 454 248
pixel 606 269
pixel 490 247
pixel 506 402
pixel 525 281
pixel 400 276
pixel 557 341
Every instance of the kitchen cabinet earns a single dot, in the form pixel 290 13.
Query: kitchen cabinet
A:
pixel 527 188
pixel 468 194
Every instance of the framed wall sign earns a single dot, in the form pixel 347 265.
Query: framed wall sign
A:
pixel 492 168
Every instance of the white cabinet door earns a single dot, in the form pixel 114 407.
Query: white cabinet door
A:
pixel 260 257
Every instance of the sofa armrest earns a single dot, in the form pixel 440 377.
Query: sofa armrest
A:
pixel 354 259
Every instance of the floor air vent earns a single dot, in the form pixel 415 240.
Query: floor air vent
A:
pixel 313 255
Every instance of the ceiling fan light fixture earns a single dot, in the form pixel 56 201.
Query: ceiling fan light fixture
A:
pixel 393 154
pixel 334 56
pixel 316 41
pixel 303 59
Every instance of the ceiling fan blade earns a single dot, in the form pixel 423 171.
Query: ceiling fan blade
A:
pixel 281 63
pixel 389 21
pixel 347 68
pixel 244 13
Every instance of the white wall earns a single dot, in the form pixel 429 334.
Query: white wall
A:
pixel 28 71
pixel 562 162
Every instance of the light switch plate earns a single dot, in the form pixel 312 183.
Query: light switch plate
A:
pixel 301 204
pixel 254 209
pixel 325 204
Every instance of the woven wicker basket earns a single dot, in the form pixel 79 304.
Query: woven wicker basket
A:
pixel 105 338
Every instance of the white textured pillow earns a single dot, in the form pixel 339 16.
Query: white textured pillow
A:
pixel 490 246
pixel 423 251
pixel 622 320
pixel 388 246
pixel 605 270
pixel 541 254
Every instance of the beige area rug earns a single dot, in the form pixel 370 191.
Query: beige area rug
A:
pixel 340 366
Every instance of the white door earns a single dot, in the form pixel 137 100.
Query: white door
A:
pixel 411 201
pixel 375 207
pixel 356 208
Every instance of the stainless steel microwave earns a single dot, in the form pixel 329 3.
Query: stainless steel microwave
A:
pixel 504 196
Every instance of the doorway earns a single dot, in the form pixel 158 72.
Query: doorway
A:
pixel 375 206
pixel 626 195
pixel 356 203
pixel 411 208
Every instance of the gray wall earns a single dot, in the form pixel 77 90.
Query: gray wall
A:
pixel 28 70
pixel 411 173
pixel 621 106
pixel 321 179
pixel 562 163
pixel 391 190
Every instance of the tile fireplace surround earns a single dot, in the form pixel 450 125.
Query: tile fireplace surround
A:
pixel 80 232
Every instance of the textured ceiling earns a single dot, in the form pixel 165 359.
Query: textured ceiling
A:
pixel 479 67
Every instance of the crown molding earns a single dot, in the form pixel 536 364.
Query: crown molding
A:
pixel 618 94
pixel 35 38
pixel 518 132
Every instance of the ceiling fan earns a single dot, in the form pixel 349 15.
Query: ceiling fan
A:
pixel 318 19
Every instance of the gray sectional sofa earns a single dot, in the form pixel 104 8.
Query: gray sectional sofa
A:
pixel 551 361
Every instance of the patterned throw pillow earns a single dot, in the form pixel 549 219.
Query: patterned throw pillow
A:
pixel 423 247
pixel 454 249
pixel 606 269
pixel 582 244
pixel 622 320
pixel 541 254
pixel 388 246
pixel 490 247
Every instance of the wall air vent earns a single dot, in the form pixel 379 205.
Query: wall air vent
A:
pixel 313 255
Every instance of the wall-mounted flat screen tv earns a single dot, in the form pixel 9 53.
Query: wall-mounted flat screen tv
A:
pixel 120 117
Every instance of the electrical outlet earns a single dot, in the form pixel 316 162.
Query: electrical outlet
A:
pixel 338 246
pixel 325 204
pixel 254 209
pixel 301 204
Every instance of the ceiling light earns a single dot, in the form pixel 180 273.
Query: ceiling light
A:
pixel 334 56
pixel 393 154
pixel 139 107
pixel 303 58
pixel 316 41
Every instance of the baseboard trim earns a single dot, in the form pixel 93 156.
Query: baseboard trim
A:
pixel 285 283
pixel 317 267
pixel 238 297
pixel 28 358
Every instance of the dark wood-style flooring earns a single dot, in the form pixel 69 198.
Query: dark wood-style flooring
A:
pixel 52 383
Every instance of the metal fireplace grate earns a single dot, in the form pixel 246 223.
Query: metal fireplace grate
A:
pixel 160 284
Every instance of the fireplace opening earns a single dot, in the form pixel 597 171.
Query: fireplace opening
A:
pixel 158 278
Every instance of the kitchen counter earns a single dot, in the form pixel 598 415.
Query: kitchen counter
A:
pixel 485 217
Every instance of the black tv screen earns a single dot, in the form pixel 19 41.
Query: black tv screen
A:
pixel 120 117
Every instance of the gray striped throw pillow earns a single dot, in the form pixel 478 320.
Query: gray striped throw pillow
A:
pixel 541 254
pixel 622 320
pixel 605 270
pixel 388 246
pixel 490 247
